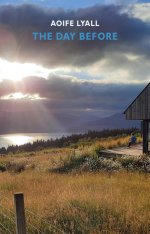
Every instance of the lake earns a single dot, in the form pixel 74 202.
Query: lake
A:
pixel 23 138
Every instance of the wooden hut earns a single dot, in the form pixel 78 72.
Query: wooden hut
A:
pixel 139 109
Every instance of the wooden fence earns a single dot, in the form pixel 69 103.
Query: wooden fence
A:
pixel 19 220
pixel 20 213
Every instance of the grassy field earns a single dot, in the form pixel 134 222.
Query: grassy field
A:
pixel 76 201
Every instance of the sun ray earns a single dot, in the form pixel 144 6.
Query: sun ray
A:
pixel 17 71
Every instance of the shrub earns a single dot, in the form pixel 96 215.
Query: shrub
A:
pixel 100 164
pixel 2 167
pixel 139 163
pixel 15 167
pixel 126 161
pixel 142 163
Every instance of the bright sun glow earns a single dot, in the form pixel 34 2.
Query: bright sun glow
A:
pixel 17 71
pixel 15 96
pixel 18 139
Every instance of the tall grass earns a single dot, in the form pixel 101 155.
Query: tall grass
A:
pixel 81 202
pixel 87 203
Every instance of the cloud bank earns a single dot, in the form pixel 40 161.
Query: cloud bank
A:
pixel 18 22
pixel 73 94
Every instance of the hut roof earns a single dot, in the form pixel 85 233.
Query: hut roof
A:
pixel 139 109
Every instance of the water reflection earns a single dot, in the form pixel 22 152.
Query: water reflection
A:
pixel 18 139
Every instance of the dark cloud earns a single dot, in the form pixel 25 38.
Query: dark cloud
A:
pixel 71 94
pixel 18 22
pixel 70 105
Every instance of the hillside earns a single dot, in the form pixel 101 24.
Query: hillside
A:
pixel 75 189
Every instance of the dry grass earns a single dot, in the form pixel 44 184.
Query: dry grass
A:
pixel 79 203
pixel 112 142
pixel 125 195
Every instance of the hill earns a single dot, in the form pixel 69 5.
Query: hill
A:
pixel 21 122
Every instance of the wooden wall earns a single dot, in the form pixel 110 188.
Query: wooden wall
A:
pixel 140 108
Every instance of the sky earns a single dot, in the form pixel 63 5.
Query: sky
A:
pixel 72 4
pixel 70 81
pixel 60 3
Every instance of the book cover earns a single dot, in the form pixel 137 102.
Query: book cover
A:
pixel 76 63
pixel 69 70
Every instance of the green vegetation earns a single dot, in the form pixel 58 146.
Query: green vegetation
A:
pixel 86 163
pixel 74 140
pixel 76 189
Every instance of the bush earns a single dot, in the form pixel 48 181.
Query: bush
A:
pixel 142 163
pixel 2 167
pixel 138 163
pixel 15 167
pixel 71 163
pixel 100 164
pixel 126 161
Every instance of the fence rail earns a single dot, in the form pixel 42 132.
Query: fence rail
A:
pixel 20 221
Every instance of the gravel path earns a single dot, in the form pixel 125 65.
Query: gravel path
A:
pixel 135 150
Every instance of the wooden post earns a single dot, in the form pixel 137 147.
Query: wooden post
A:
pixel 145 136
pixel 20 213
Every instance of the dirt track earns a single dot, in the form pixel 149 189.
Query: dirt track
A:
pixel 133 151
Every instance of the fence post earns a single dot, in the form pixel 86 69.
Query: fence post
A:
pixel 20 213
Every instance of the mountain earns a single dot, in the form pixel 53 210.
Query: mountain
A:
pixel 64 122
pixel 115 121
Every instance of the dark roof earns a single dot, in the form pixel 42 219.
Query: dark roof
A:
pixel 136 98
